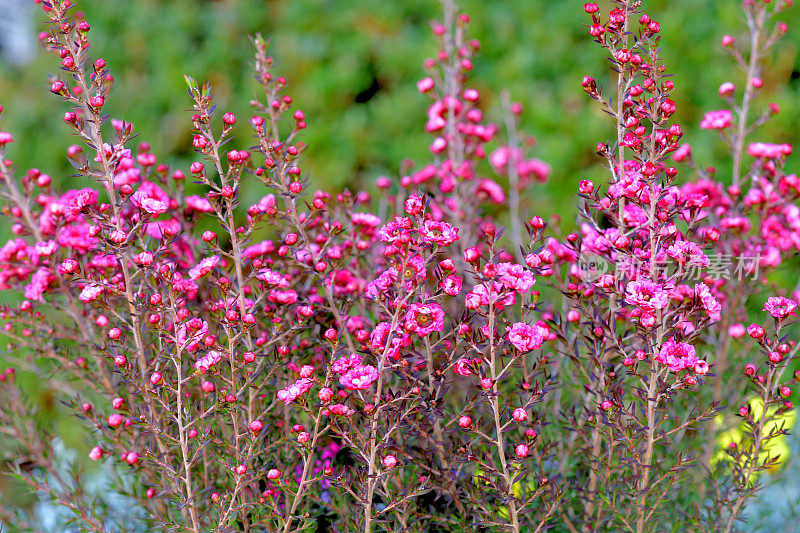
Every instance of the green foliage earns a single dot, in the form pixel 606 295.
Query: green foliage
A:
pixel 352 67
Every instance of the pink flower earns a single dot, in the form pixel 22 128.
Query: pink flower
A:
pixel 190 338
pixel 40 281
pixel 707 301
pixel 204 267
pixel 198 203
pixel 340 410
pixel 143 259
pixel 737 330
pixel 270 277
pixel 491 191
pixel 46 248
pixel 359 377
pixel 257 250
pixel 81 200
pixel 395 230
pixel 204 363
pixel 646 294
pixel 717 120
pixel 343 364
pixel 780 307
pixel 526 338
pixel 287 297
pixel 440 233
pixel 688 253
pixel 515 277
pixel 451 285
pixel 295 390
pixel 726 89
pixel 424 319
pixel 677 355
pixel 462 367
pixel 158 229
pixel 769 151
pixel 379 336
pixel 150 198
pixel 90 293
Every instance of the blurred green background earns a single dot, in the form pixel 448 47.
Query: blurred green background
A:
pixel 352 67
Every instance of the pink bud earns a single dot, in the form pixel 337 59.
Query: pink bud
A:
pixel 390 461
pixel 465 421
pixel 96 453
pixel 425 84
pixel 586 187
pixel 521 450
pixel 155 378
pixel 519 414
pixel 273 473
pixel 256 426
pixel 755 331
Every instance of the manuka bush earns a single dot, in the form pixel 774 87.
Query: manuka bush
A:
pixel 354 362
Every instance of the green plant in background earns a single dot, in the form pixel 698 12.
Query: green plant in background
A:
pixel 353 64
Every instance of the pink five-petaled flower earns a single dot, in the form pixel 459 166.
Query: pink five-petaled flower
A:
pixel 204 363
pixel 398 229
pixel 526 338
pixel 359 377
pixel 677 355
pixel 779 307
pixel 79 201
pixel 203 267
pixel 190 337
pixel 451 285
pixel 424 319
pixel 441 233
pixel 343 364
pixel 646 294
pixel 707 301
pixel 515 277
pixel 688 253
pixel 295 390
pixel 717 120
pixel 90 293
pixel 270 277
pixel 150 198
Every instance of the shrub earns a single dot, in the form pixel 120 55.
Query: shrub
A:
pixel 348 361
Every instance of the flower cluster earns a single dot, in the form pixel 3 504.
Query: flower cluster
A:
pixel 394 359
